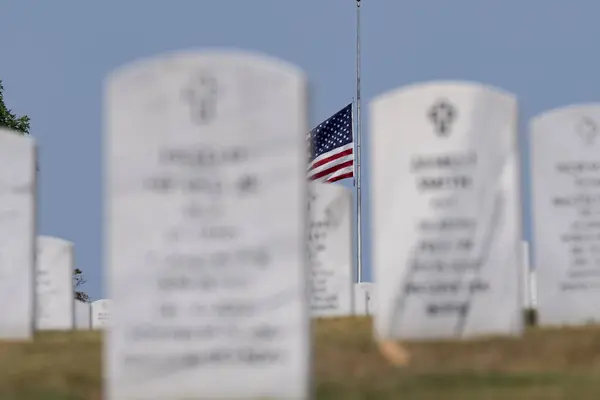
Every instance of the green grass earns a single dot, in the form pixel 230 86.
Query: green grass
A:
pixel 544 364
pixel 55 366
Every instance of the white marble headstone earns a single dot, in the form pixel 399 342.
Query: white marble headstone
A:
pixel 55 294
pixel 446 221
pixel 206 228
pixel 101 314
pixel 533 288
pixel 364 298
pixel 17 234
pixel 83 315
pixel 331 276
pixel 526 274
pixel 565 173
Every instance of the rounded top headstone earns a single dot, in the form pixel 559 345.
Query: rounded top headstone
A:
pixel 53 240
pixel 567 129
pixel 219 57
pixel 102 302
pixel 571 109
pixel 201 97
pixel 323 187
pixel 441 85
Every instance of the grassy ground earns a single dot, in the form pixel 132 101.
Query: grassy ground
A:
pixel 545 364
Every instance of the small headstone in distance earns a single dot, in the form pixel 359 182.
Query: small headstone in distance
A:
pixel 54 284
pixel 330 250
pixel 101 314
pixel 83 315
pixel 17 234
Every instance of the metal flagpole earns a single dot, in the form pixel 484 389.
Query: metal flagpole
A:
pixel 357 155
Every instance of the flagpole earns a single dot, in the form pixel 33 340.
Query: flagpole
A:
pixel 357 155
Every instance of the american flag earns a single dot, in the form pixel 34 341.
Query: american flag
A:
pixel 331 148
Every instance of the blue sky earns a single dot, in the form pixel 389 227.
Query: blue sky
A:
pixel 55 55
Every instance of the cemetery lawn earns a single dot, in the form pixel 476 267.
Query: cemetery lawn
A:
pixel 545 365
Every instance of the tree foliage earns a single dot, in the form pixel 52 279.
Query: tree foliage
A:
pixel 10 120
pixel 79 280
pixel 21 124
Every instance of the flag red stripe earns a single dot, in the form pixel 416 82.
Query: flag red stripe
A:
pixel 340 177
pixel 332 169
pixel 332 158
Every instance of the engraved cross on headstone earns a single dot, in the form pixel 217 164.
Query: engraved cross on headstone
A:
pixel 442 114
pixel 587 130
pixel 201 96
